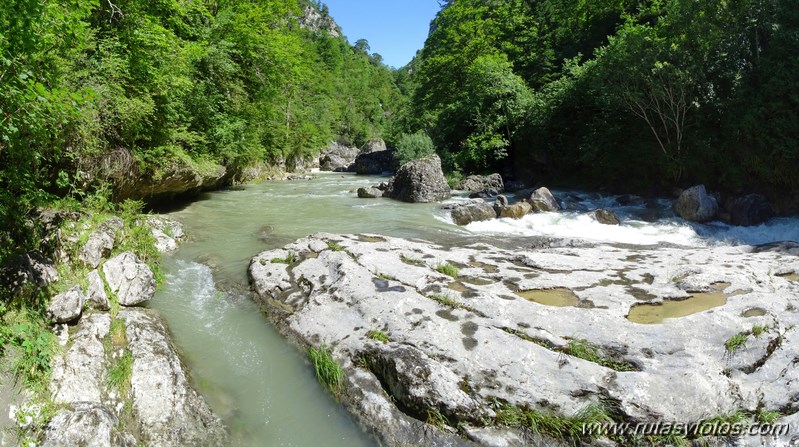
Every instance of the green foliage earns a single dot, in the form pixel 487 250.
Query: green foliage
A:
pixel 378 335
pixel 582 349
pixel 436 419
pixel 328 371
pixel 26 333
pixel 768 417
pixel 736 342
pixel 447 269
pixel 759 329
pixel 411 261
pixel 291 258
pixel 559 427
pixel 414 147
pixel 119 373
pixel 335 246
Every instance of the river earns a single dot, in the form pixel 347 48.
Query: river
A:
pixel 262 385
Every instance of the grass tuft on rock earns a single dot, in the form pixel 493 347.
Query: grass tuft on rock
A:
pixel 291 258
pixel 328 371
pixel 436 419
pixel 447 269
pixel 335 246
pixel 378 335
pixel 119 373
pixel 560 427
pixel 736 342
pixel 582 349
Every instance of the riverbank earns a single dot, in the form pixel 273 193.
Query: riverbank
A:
pixel 480 341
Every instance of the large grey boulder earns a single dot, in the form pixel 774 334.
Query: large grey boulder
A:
pixel 696 205
pixel 337 157
pixel 170 412
pixel 78 375
pixel 86 424
pixel 504 335
pixel 66 306
pixel 130 279
pixel 373 145
pixel 31 268
pixel 95 292
pixel 477 183
pixel 542 201
pixel 473 212
pixel 376 162
pixel 752 209
pixel 419 181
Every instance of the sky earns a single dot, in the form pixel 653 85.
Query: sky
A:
pixel 395 29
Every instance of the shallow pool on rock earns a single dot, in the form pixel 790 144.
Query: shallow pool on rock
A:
pixel 559 297
pixel 670 308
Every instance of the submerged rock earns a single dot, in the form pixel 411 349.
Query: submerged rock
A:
pixel 419 181
pixel 458 346
pixel 696 205
pixel 131 280
pixel 473 212
pixel 606 217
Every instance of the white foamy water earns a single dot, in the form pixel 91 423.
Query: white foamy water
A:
pixel 577 223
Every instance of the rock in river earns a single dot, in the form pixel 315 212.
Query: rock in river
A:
pixel 641 331
pixel 419 181
pixel 542 200
pixel 696 205
pixel 473 212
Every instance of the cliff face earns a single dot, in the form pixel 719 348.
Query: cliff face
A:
pixel 315 20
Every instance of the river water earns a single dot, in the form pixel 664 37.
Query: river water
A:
pixel 259 383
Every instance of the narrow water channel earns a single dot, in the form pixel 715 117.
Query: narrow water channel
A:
pixel 259 383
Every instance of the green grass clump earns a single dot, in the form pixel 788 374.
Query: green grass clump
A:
pixel 736 342
pixel 447 269
pixel 411 261
pixel 768 417
pixel 759 329
pixel 549 423
pixel 444 299
pixel 291 258
pixel 436 419
pixel 582 349
pixel 119 373
pixel 378 335
pixel 335 246
pixel 328 371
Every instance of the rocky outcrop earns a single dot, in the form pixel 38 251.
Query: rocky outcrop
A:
pixel 168 233
pixel 477 183
pixel 373 145
pixel 159 407
pixel 696 205
pixel 100 243
pixel 338 158
pixel 130 279
pixel 553 331
pixel 419 181
pixel 169 411
pixel 177 179
pixel 606 217
pixel 376 162
pixel 369 193
pixel 66 306
pixel 752 209
pixel 542 201
pixel 475 211
pixel 28 269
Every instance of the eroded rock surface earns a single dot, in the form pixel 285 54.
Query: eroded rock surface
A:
pixel 459 347
pixel 132 280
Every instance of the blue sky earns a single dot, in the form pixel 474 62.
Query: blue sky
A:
pixel 394 28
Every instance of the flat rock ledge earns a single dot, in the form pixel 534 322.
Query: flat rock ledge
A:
pixel 417 345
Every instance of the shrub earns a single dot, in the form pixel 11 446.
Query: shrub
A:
pixel 414 146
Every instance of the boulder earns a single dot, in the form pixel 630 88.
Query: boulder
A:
pixel 170 412
pixel 376 162
pixel 419 181
pixel 337 157
pixel 473 212
pixel 97 247
pixel 516 211
pixel 66 306
pixel 696 205
pixel 752 209
pixel 475 183
pixel 86 424
pixel 542 201
pixel 373 145
pixel 484 194
pixel 95 293
pixel 32 268
pixel 132 280
pixel 178 178
pixel 369 193
pixel 606 217
pixel 500 203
